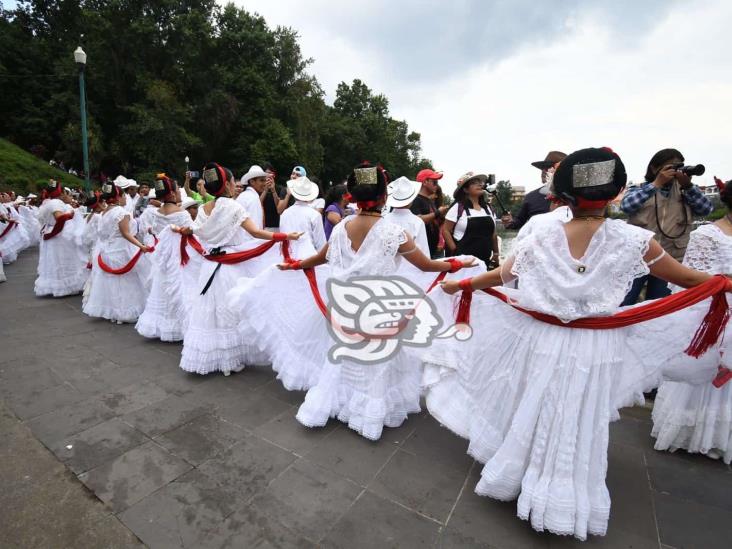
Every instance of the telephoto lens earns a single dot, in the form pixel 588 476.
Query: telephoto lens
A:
pixel 699 169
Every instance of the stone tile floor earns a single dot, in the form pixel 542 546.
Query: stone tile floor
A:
pixel 186 461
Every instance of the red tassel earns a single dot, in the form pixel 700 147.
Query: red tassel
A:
pixel 184 257
pixel 723 376
pixel 463 310
pixel 712 326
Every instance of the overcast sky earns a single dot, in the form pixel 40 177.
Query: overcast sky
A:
pixel 494 85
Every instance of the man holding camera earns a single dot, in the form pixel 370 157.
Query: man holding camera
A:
pixel 665 204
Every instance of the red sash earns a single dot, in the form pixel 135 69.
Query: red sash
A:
pixel 11 224
pixel 226 258
pixel 706 335
pixel 59 225
pixel 125 268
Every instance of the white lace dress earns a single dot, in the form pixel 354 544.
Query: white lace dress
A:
pixel 212 342
pixel 61 262
pixel 166 311
pixel 414 227
pixel 294 332
pixel 275 295
pixel 31 225
pixel 16 239
pixel 116 297
pixel 698 417
pixel 535 400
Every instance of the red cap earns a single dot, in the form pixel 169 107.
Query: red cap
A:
pixel 428 174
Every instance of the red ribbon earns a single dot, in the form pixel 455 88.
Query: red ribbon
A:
pixel 11 224
pixel 125 268
pixel 226 259
pixel 707 334
pixel 59 225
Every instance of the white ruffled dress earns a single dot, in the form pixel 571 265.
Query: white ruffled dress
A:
pixel 61 262
pixel 535 400
pixel 212 342
pixel 30 223
pixel 166 311
pixel 366 396
pixel 116 297
pixel 282 293
pixel 698 417
pixel 16 239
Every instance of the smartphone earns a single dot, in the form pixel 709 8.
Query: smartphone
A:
pixel 491 180
pixel 194 175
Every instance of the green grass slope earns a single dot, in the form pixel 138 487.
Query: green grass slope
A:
pixel 23 172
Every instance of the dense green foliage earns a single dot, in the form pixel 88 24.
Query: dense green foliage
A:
pixel 171 78
pixel 23 172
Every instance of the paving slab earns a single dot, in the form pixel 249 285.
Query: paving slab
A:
pixel 201 439
pixel 135 474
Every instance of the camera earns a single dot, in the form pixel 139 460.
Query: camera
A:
pixel 699 169
pixel 194 175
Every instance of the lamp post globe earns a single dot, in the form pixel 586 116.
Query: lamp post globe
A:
pixel 80 58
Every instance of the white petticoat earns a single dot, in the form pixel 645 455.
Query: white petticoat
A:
pixel 117 297
pixel 212 341
pixel 697 418
pixel 61 264
pixel 535 401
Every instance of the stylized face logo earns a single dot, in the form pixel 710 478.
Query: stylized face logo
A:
pixel 371 318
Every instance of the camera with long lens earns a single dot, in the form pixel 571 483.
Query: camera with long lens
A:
pixel 698 169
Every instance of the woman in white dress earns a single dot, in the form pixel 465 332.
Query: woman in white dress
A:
pixel 300 218
pixel 117 290
pixel 534 395
pixel 211 342
pixel 698 417
pixel 14 236
pixel 90 235
pixel 165 315
pixel 61 262
pixel 349 385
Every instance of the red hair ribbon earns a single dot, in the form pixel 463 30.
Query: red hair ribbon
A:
pixel 592 204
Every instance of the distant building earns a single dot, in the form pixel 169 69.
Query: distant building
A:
pixel 709 189
pixel 518 192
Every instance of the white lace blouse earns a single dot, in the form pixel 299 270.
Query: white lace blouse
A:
pixel 376 256
pixel 552 281
pixel 223 226
pixel 709 250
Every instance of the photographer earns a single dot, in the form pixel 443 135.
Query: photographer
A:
pixel 665 204
pixel 425 207
pixel 470 225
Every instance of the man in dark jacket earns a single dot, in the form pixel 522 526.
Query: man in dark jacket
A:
pixel 535 202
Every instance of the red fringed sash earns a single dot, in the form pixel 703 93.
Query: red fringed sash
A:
pixel 11 224
pixel 59 225
pixel 706 335
pixel 125 268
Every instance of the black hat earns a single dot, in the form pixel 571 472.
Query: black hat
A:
pixel 589 175
pixel 214 179
pixel 552 158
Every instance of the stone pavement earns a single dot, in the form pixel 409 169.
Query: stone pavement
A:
pixel 183 461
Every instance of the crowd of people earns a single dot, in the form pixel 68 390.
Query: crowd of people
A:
pixel 343 294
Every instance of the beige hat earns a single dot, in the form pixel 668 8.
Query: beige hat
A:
pixel 254 171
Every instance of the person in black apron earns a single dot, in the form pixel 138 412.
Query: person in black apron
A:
pixel 479 239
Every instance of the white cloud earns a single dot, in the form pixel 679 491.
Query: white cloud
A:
pixel 635 79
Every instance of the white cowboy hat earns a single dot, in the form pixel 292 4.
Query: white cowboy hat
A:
pixel 303 189
pixel 121 181
pixel 188 202
pixel 31 195
pixel 254 171
pixel 402 192
pixel 132 183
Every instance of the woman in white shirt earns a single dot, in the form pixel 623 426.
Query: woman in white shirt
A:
pixel 470 225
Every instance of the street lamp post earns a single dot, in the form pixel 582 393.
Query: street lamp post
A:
pixel 80 58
